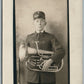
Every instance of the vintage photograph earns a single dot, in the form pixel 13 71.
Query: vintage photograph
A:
pixel 42 42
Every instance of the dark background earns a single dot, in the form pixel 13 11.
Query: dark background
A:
pixel 56 16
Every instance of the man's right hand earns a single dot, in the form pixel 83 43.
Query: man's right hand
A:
pixel 22 52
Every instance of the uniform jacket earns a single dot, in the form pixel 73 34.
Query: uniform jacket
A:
pixel 47 42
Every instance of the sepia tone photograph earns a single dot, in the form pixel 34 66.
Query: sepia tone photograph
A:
pixel 42 47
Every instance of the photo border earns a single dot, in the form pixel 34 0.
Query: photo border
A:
pixel 14 43
pixel 77 7
pixel 14 46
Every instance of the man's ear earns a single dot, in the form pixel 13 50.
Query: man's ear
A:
pixel 45 23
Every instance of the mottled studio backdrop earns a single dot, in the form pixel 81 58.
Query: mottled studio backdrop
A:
pixel 56 16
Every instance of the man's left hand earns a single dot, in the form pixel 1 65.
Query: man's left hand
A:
pixel 47 64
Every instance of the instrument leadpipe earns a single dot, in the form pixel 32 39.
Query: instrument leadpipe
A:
pixel 34 51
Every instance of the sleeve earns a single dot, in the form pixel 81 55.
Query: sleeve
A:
pixel 58 51
pixel 26 49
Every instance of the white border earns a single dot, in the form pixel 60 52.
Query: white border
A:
pixel 75 41
pixel 7 57
pixel 75 18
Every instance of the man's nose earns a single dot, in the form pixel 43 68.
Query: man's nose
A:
pixel 39 22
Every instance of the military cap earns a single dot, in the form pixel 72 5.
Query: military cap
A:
pixel 38 14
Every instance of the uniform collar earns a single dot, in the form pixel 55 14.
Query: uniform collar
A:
pixel 40 31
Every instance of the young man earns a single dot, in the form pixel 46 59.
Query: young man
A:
pixel 47 42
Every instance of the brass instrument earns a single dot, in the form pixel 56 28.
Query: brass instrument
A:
pixel 37 58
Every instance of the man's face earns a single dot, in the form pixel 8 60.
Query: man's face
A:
pixel 39 24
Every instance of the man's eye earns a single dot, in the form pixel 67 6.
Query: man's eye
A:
pixel 37 21
pixel 43 21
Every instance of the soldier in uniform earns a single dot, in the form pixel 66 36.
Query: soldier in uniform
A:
pixel 46 41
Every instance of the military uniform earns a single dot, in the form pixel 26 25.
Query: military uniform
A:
pixel 46 42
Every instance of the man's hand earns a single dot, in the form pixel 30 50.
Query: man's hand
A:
pixel 22 52
pixel 47 64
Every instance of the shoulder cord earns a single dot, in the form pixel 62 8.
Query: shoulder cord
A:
pixel 37 48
